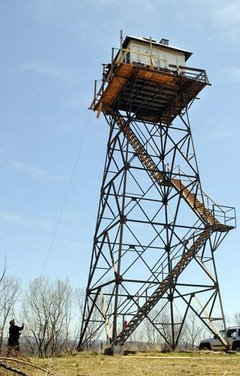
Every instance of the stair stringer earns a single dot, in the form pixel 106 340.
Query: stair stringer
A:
pixel 203 213
pixel 163 287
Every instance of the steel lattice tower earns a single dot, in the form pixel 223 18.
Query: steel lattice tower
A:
pixel 157 231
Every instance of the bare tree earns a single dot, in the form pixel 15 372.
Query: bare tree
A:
pixel 79 298
pixel 9 291
pixel 237 318
pixel 47 310
pixel 192 332
pixel 152 336
pixel 158 328
pixel 91 332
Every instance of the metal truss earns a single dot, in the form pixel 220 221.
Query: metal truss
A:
pixel 157 231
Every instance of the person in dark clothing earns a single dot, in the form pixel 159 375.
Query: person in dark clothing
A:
pixel 13 339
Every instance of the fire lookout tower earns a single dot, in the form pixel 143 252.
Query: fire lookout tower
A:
pixel 157 230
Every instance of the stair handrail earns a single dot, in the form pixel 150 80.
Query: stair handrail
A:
pixel 163 287
pixel 218 211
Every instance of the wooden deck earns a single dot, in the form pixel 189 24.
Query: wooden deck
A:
pixel 147 93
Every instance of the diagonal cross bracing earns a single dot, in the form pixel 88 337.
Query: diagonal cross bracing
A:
pixel 163 287
pixel 201 211
pixel 154 220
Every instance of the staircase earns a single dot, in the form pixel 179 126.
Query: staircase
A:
pixel 205 215
pixel 198 207
pixel 163 287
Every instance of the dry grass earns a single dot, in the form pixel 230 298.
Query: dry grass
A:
pixel 174 364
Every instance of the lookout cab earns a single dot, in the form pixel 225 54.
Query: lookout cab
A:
pixel 147 79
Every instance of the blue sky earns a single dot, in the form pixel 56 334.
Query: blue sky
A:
pixel 52 148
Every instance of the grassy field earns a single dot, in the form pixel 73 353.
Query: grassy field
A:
pixel 174 364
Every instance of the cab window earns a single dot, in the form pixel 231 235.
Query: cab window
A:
pixel 232 333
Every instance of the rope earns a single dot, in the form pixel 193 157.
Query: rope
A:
pixel 66 194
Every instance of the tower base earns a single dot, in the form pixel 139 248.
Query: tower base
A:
pixel 114 350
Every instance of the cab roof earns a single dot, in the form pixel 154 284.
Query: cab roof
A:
pixel 164 43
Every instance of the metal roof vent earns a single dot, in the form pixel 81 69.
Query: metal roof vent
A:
pixel 164 41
